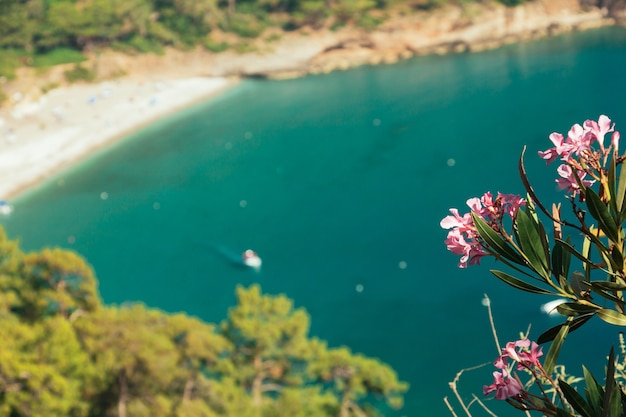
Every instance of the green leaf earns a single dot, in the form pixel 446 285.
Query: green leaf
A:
pixel 551 333
pixel 611 393
pixel 562 413
pixel 615 404
pixel 612 196
pixel 575 399
pixel 555 348
pixel 612 317
pixel 527 186
pixel 533 244
pixel 530 209
pixel 594 287
pixel 496 242
pixel 606 285
pixel 575 309
pixel 593 391
pixel 618 258
pixel 561 260
pixel 599 211
pixel 567 246
pixel 621 192
pixel 519 284
pixel 587 266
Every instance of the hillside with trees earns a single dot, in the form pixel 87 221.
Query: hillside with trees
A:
pixel 42 33
pixel 64 353
pixel 43 25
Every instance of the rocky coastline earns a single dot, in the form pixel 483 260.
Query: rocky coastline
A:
pixel 450 29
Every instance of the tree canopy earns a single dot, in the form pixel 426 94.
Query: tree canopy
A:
pixel 33 28
pixel 66 354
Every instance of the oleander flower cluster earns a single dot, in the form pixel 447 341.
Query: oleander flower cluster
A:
pixel 463 239
pixel 525 355
pixel 545 250
pixel 582 163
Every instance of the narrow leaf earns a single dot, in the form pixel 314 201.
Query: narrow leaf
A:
pixel 621 193
pixel 568 247
pixel 519 284
pixel 575 399
pixel 593 391
pixel 555 348
pixel 551 333
pixel 599 211
pixel 610 388
pixel 557 261
pixel 618 258
pixel 562 413
pixel 530 208
pixel 586 253
pixel 575 309
pixel 605 294
pixel 612 317
pixel 496 242
pixel 528 187
pixel 615 404
pixel 611 191
pixel 532 243
pixel 561 260
pixel 607 285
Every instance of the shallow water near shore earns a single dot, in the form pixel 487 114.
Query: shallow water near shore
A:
pixel 339 183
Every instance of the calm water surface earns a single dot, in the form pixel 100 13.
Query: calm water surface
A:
pixel 340 181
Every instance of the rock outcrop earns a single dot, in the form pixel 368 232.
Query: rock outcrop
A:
pixel 451 29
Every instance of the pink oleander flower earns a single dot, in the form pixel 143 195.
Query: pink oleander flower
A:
pixel 486 207
pixel 531 356
pixel 579 139
pixel 464 223
pixel 511 203
pixel 561 148
pixel 490 209
pixel 599 129
pixel 568 179
pixel 463 238
pixel 524 352
pixel 504 385
pixel 471 250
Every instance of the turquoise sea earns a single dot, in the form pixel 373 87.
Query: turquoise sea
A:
pixel 340 181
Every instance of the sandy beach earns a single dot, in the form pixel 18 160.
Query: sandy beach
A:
pixel 41 134
pixel 39 138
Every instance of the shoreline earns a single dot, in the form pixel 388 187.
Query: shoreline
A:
pixel 79 120
pixel 42 133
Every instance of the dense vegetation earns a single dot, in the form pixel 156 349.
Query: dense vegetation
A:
pixel 45 32
pixel 64 354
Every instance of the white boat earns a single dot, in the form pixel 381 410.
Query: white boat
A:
pixel 5 207
pixel 251 258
